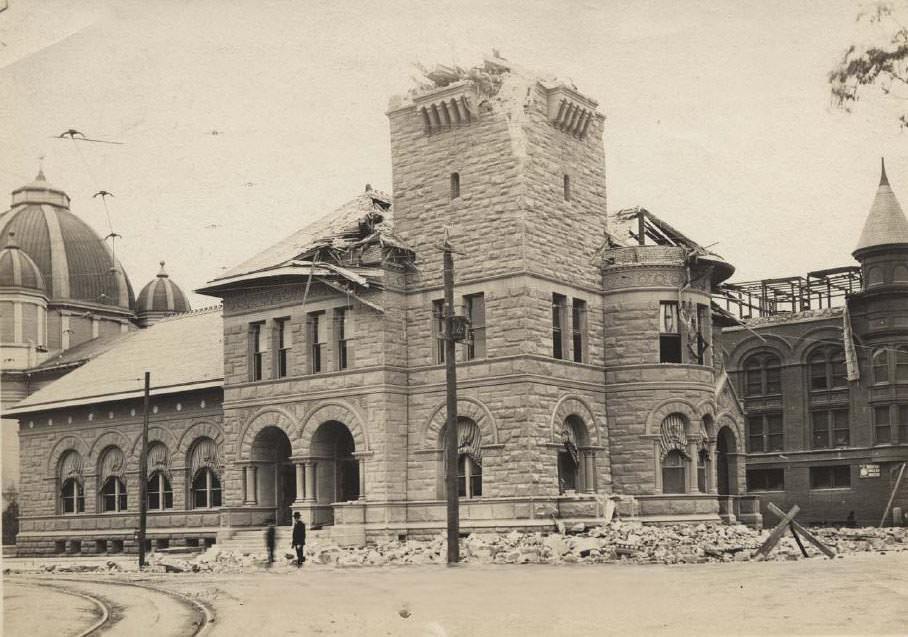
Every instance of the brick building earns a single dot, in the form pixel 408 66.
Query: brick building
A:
pixel 588 381
pixel 824 433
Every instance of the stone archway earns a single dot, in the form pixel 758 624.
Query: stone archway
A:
pixel 337 469
pixel 274 480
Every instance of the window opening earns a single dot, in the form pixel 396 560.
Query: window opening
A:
pixel 438 329
pixel 559 305
pixel 455 185
pixel 578 329
pixel 669 333
pixel 475 308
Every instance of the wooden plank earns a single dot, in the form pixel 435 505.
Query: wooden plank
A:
pixel 798 540
pixel 807 535
pixel 779 530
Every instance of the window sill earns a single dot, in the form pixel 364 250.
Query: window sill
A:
pixel 830 488
pixel 782 490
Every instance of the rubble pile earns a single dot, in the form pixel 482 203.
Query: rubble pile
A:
pixel 615 542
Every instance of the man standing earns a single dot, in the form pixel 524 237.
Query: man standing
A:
pixel 299 538
pixel 269 542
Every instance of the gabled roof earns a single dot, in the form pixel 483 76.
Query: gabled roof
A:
pixel 182 353
pixel 367 217
pixel 886 224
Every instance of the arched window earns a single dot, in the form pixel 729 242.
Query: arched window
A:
pixel 469 477
pixel 455 185
pixel 880 361
pixel 204 473
pixel 112 474
pixel 73 496
pixel 827 368
pixel 874 276
pixel 576 470
pixel 206 489
pixel 900 274
pixel 762 375
pixel 113 495
pixel 71 481
pixel 469 459
pixel 673 474
pixel 160 493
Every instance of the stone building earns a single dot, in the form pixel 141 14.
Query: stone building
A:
pixel 821 364
pixel 588 382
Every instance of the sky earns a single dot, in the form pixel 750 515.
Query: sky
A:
pixel 240 120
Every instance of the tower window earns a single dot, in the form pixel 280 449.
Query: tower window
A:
pixel 455 185
pixel 559 309
pixel 475 308
pixel 669 333
pixel 567 188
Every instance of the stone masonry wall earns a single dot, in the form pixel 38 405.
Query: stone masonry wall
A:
pixel 44 437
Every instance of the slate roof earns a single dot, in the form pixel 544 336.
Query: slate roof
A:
pixel 183 353
pixel 886 224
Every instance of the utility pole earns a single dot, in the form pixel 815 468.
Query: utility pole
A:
pixel 451 425
pixel 143 469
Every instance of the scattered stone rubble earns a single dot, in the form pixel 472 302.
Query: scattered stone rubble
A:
pixel 615 542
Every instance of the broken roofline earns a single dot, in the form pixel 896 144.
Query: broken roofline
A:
pixel 302 271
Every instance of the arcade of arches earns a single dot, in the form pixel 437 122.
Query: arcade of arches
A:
pixel 330 472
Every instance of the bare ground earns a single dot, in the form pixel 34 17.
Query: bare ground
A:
pixel 861 594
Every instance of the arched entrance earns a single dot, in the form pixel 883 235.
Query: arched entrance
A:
pixel 337 470
pixel 726 463
pixel 276 484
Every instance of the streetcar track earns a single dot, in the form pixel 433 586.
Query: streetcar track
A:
pixel 111 612
pixel 101 605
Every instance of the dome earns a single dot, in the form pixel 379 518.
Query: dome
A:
pixel 75 262
pixel 17 269
pixel 162 295
pixel 886 224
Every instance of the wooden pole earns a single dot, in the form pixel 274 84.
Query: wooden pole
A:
pixel 143 469
pixel 898 482
pixel 451 423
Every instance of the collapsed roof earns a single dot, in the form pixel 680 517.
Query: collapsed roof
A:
pixel 344 249
pixel 634 226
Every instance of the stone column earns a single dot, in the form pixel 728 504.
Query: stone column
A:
pixel 300 481
pixel 589 472
pixel 693 451
pixel 245 482
pixel 311 495
pixel 251 486
pixel 362 477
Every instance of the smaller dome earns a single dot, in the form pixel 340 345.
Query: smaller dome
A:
pixel 17 269
pixel 162 295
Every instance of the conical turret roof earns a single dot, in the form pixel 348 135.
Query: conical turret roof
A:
pixel 886 224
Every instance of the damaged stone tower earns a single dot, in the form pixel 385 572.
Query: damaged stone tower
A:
pixel 513 166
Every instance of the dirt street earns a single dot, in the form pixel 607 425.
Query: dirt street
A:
pixel 861 594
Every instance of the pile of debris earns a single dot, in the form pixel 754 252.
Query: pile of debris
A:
pixel 615 542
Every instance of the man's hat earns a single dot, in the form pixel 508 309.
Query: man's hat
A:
pixel 296 515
